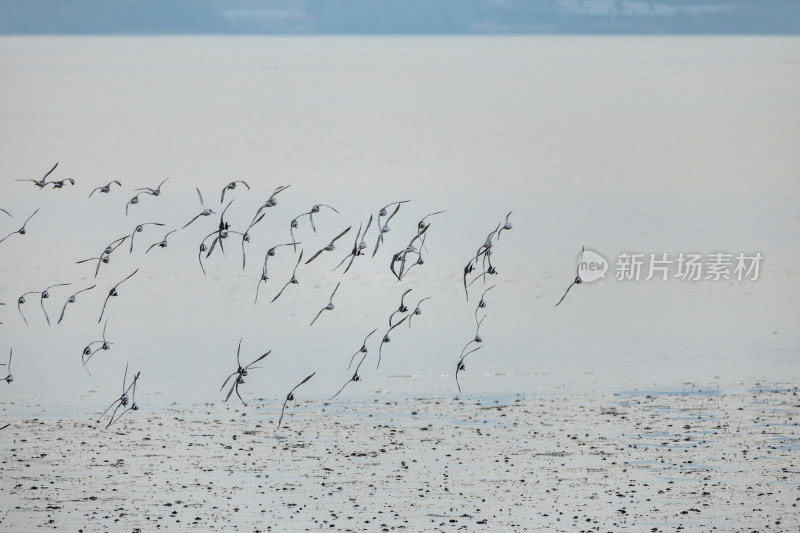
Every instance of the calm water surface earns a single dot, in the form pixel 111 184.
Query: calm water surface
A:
pixel 644 145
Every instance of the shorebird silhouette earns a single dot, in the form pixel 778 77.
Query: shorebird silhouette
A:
pixel 240 374
pixel 328 307
pixel 113 292
pixel 22 230
pixel 41 183
pixel 290 397
pixel 461 367
pixel 105 188
pixel 294 278
pixel 230 187
pixel 204 213
pixel 578 279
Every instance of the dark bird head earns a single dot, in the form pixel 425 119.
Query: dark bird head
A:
pixel 113 292
pixel 87 351
pixel 290 397
pixel 22 231
pixel 203 247
pixel 461 367
pixel 45 294
pixel 21 300
pixel 71 300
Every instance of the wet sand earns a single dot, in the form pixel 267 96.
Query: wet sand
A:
pixel 688 459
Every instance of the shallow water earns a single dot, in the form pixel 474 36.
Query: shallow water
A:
pixel 620 144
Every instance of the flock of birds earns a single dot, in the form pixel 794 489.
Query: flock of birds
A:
pixel 478 268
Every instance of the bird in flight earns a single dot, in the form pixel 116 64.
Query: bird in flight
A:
pixel 578 279
pixel 290 397
pixel 240 374
pixel 105 188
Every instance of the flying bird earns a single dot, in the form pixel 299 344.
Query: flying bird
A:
pixel 105 188
pixel 315 209
pixel 271 201
pixel 153 192
pixel 358 245
pixel 402 308
pixel 387 339
pixel 477 338
pixel 139 228
pixel 230 187
pixel 482 304
pixel 355 377
pixel 506 226
pixel 385 228
pixel 9 378
pixel 134 406
pixel 290 397
pixel 460 367
pixel 328 307
pixel 132 201
pixel 246 237
pixel 294 278
pixel 60 183
pixel 71 300
pixel 113 292
pixel 363 348
pixel 46 294
pixel 417 311
pixel 105 255
pixel 88 351
pixel 162 243
pixel 330 246
pixel 264 273
pixel 204 213
pixel 221 232
pixel 240 374
pixel 578 279
pixel 21 230
pixel 21 300
pixel 41 183
pixel 123 400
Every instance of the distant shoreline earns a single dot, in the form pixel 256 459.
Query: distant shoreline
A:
pixel 400 17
